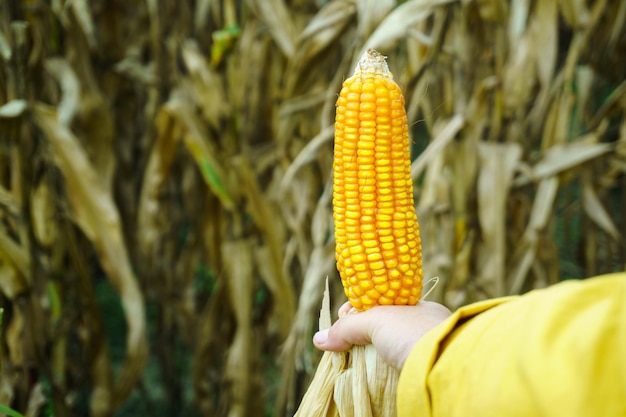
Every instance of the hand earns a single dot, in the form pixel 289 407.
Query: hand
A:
pixel 393 330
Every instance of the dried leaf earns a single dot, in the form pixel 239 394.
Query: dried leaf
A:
pixel 238 265
pixel 306 155
pixel 527 248
pixel 324 29
pixel 441 140
pixel 12 283
pixel 13 109
pixel 597 212
pixel 203 153
pixel 149 215
pixel 13 254
pixel 5 49
pixel 397 23
pixel 276 16
pixel 325 321
pixel 85 20
pixel 561 158
pixel 43 215
pixel 498 163
pixel 98 217
pixel 70 103
pixel 574 12
pixel 371 13
pixel 206 85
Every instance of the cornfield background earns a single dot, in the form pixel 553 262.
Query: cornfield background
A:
pixel 165 172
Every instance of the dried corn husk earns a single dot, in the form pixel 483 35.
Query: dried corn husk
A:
pixel 355 383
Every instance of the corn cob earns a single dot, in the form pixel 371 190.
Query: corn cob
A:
pixel 378 248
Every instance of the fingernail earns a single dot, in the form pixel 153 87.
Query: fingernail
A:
pixel 321 337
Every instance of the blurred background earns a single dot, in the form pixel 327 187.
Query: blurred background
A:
pixel 165 171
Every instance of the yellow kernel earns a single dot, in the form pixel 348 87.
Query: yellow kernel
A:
pixel 379 280
pixel 407 258
pixel 383 224
pixel 373 294
pixel 365 143
pixel 383 133
pixel 367 301
pixel 367 115
pixel 369 86
pixel 388 249
pixel 367 284
pixel 382 288
pixel 382 94
pixel 397 114
pixel 385 301
pixel 358 258
pixel 367 219
pixel 377 265
pixel 352 114
pixel 352 122
pixel 370 243
pixel 365 153
pixel 390 263
pixel 391 293
pixel 399 232
pixel 350 105
pixel 351 221
pixel 380 273
pixel 364 275
pixel 366 105
pixel 372 257
pixel 349 230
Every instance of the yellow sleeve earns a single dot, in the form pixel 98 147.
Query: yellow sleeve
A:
pixel 559 351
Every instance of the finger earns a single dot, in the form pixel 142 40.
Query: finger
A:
pixel 344 309
pixel 352 329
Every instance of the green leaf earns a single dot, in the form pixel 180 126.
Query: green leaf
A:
pixel 9 411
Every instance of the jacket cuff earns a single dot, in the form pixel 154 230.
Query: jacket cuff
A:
pixel 412 386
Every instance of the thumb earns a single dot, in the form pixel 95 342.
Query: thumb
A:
pixel 351 329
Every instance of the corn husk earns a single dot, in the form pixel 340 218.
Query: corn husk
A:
pixel 355 383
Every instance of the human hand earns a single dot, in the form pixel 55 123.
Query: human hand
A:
pixel 393 330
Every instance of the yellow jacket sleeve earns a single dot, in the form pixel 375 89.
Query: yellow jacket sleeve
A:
pixel 559 351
